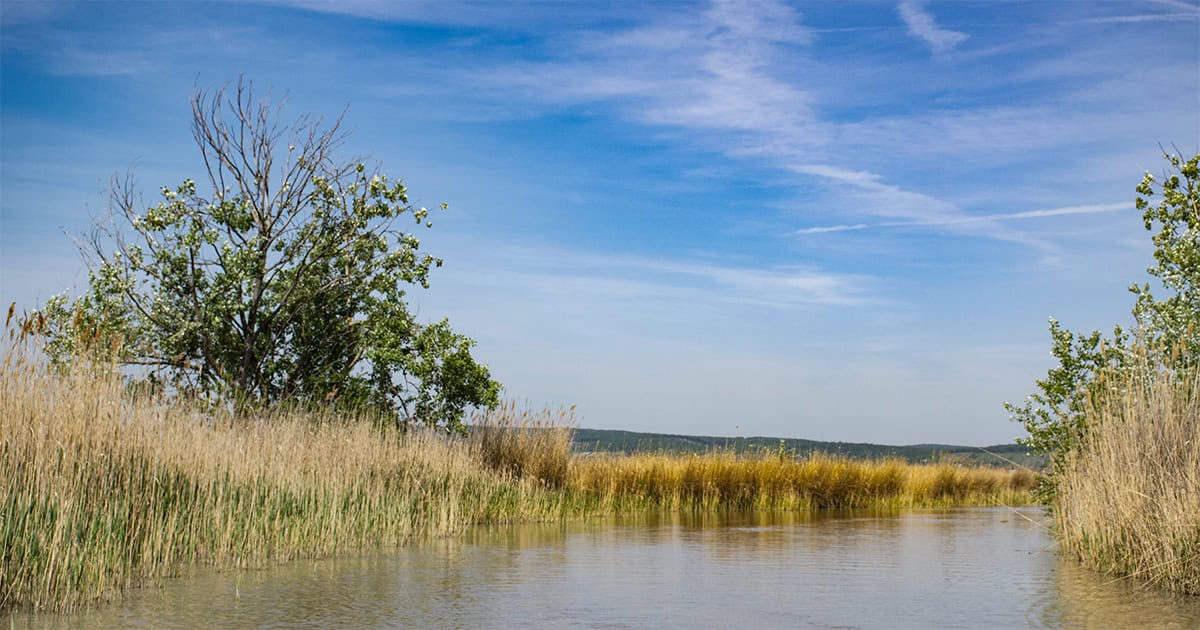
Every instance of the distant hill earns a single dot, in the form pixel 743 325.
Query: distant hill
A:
pixel 611 441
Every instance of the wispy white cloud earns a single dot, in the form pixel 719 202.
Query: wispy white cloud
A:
pixel 683 283
pixel 873 196
pixel 513 14
pixel 1180 11
pixel 1058 212
pixel 76 61
pixel 823 229
pixel 719 75
pixel 922 25
pixel 63 52
pixel 738 77
pixel 778 286
pixel 987 219
pixel 863 179
pixel 1148 17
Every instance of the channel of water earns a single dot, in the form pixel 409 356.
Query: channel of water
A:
pixel 957 568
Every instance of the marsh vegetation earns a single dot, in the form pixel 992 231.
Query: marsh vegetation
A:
pixel 104 488
pixel 1119 417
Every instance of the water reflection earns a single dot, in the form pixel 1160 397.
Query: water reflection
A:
pixel 1088 600
pixel 954 568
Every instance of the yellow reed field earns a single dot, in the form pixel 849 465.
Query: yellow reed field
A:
pixel 100 491
pixel 724 481
pixel 537 445
pixel 1128 500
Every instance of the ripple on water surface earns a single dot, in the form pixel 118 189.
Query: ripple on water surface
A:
pixel 963 568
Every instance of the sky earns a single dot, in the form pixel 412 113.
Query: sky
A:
pixel 826 220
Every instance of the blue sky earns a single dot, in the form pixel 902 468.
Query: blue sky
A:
pixel 831 220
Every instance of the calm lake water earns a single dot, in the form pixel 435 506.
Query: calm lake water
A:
pixel 962 568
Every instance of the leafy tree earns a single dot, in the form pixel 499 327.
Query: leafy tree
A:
pixel 286 285
pixel 1166 332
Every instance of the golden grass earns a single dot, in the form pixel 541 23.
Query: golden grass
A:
pixel 1128 498
pixel 537 446
pixel 100 491
pixel 720 480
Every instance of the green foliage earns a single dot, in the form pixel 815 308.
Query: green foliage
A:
pixel 1175 220
pixel 1090 366
pixel 1087 364
pixel 286 285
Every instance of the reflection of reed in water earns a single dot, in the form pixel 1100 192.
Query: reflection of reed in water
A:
pixel 1087 599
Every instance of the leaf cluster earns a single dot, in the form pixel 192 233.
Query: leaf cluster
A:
pixel 1175 223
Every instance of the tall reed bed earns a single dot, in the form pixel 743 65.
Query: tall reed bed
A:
pixel 774 482
pixel 99 490
pixel 1128 498
pixel 537 445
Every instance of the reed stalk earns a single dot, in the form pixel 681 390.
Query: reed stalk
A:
pixel 1128 498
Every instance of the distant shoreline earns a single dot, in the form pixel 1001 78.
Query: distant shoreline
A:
pixel 629 442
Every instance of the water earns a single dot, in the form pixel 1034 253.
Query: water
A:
pixel 963 568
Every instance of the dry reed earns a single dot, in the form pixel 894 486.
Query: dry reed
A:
pixel 722 480
pixel 99 490
pixel 1128 498
pixel 525 443
pixel 536 445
